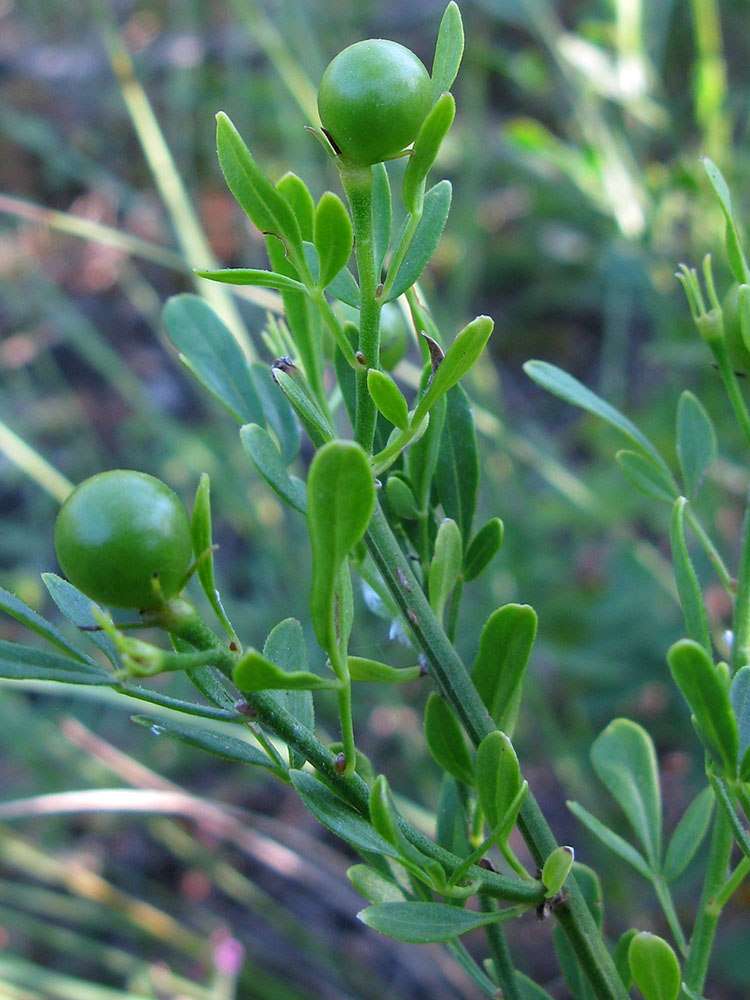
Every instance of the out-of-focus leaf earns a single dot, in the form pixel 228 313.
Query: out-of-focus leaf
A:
pixel 267 460
pixel 688 587
pixel 688 835
pixel 482 549
pixel 457 471
pixel 696 440
pixel 624 759
pixel 446 742
pixel 647 476
pixel 210 352
pixel 437 204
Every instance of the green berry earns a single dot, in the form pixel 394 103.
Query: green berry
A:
pixel 372 100
pixel 119 530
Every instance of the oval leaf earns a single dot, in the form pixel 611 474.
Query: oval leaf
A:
pixel 267 460
pixel 421 923
pixel 209 350
pixel 333 237
pixel 688 835
pixel 483 548
pixel 459 358
pixel 647 476
pixel 372 671
pixel 504 648
pixel 210 740
pixel 285 646
pixel 301 202
pixel 448 50
pixel 498 777
pixel 740 697
pixel 338 816
pixel 696 440
pixel 688 587
pixel 263 204
pixel 445 740
pixel 654 966
pixel 255 673
pixel 708 698
pixel 388 398
pixel 340 499
pixel 556 869
pixel 437 204
pixel 445 567
pixel 434 129
pixel 373 885
pixel 457 470
pixel 561 384
pixel 624 759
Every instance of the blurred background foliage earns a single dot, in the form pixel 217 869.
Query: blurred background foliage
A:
pixel 577 191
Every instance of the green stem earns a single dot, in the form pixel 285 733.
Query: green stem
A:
pixel 741 623
pixel 732 884
pixel 355 791
pixel 399 253
pixel 711 551
pixel 358 184
pixel 709 910
pixel 667 904
pixel 456 686
pixel 731 384
pixel 501 957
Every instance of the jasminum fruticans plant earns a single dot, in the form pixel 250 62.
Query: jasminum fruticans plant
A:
pixel 394 501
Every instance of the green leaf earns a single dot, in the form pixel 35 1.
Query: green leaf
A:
pixel 459 358
pixel 740 697
pixel 452 831
pixel 421 923
pixel 77 608
pixel 620 957
pixel 339 817
pixel 26 616
pixel 267 460
pixel 457 471
pixel 448 50
pixel 437 204
pixel 613 840
pixel 263 204
pixel 529 989
pixel 624 759
pixel 251 276
pixel 561 384
pixel 446 742
pixel 333 237
pixel 736 257
pixel 688 586
pixel 422 457
pixel 210 740
pixel 285 646
pixel 483 548
pixel 688 835
pixel 255 673
pixel 590 885
pixel 647 476
pixel 382 811
pixel 373 885
pixel 655 968
pixel 345 289
pixel 556 869
pixel 372 671
pixel 340 499
pixel 696 440
pixel 294 386
pixel 381 213
pixel 210 352
pixel 504 649
pixel 401 499
pixel 279 413
pixel 301 202
pixel 433 130
pixel 571 970
pixel 498 777
pixel 707 695
pixel 388 398
pixel 202 543
pixel 19 662
pixel 445 567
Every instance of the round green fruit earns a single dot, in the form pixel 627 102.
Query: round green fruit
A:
pixel 119 530
pixel 738 351
pixel 372 100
